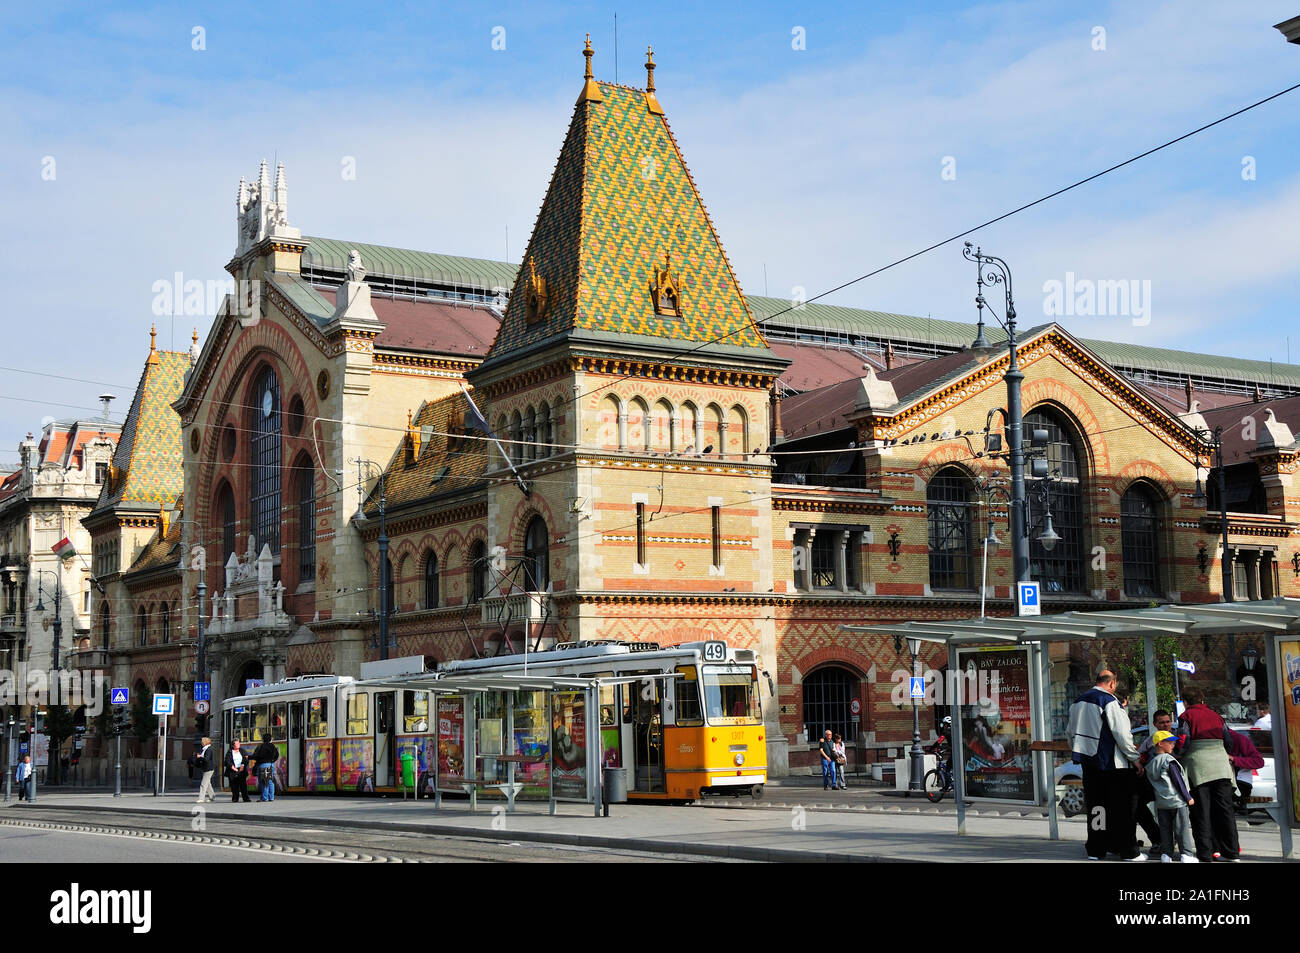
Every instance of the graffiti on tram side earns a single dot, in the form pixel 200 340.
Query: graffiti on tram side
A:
pixel 320 765
pixel 356 761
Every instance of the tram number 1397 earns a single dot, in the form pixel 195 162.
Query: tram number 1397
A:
pixel 715 651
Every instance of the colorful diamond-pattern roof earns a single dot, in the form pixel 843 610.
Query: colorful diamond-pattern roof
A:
pixel 149 456
pixel 620 200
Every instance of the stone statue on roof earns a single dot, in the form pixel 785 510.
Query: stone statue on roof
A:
pixel 356 271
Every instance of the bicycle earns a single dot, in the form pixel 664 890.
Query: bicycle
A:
pixel 939 780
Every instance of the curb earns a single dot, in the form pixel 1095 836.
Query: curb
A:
pixel 725 851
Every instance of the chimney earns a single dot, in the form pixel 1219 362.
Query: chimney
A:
pixel 778 433
pixel 1191 392
pixel 889 356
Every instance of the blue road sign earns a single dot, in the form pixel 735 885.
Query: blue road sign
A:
pixel 164 704
pixel 203 691
pixel 1027 599
pixel 1188 667
pixel 917 686
pixel 121 696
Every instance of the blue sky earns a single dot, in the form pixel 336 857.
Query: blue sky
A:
pixel 817 164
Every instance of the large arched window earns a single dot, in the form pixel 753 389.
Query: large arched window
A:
pixel 165 623
pixel 225 510
pixel 431 581
pixel 537 562
pixel 306 520
pixel 1059 569
pixel 142 625
pixel 828 695
pixel 948 513
pixel 478 569
pixel 264 485
pixel 1138 512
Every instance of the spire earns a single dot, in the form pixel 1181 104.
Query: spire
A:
pixel 651 102
pixel 590 88
pixel 153 344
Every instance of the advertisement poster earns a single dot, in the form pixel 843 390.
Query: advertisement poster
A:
pixel 319 768
pixel 422 747
pixel 451 742
pixel 569 744
pixel 1288 656
pixel 356 764
pixel 278 770
pixel 995 759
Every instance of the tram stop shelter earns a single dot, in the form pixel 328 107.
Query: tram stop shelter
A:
pixel 535 736
pixel 1029 637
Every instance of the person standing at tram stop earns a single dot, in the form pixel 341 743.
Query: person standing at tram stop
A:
pixel 264 758
pixel 23 775
pixel 204 765
pixel 827 749
pixel 1210 774
pixel 236 765
pixel 841 760
pixel 1102 745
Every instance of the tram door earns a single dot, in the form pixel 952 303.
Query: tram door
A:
pixel 294 752
pixel 385 739
pixel 644 710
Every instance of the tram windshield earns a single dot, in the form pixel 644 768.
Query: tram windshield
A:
pixel 730 693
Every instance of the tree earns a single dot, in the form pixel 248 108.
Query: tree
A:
pixel 1126 658
pixel 60 725
pixel 144 723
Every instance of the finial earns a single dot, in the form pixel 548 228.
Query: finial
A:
pixel 153 344
pixel 590 89
pixel 195 336
pixel 651 102
pixel 408 418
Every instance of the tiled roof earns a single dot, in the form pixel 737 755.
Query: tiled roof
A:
pixel 431 325
pixel 1236 418
pixel 619 201
pixel 440 468
pixel 149 455
pixel 476 274
pixel 816 365
pixel 161 552
pixel 819 411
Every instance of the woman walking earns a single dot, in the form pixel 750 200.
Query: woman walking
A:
pixel 1210 773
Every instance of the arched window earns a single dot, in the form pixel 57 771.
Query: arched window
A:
pixel 544 431
pixel 431 581
pixel 306 520
pixel 516 438
pixel 828 695
pixel 1061 568
pixel 478 571
pixel 537 562
pixel 530 435
pixel 824 559
pixel 105 630
pixel 264 486
pixel 948 513
pixel 142 625
pixel 225 510
pixel 165 621
pixel 1138 514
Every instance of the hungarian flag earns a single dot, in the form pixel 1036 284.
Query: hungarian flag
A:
pixel 64 548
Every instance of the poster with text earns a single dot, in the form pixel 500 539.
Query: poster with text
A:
pixel 995 759
pixel 451 742
pixel 1288 657
pixel 569 744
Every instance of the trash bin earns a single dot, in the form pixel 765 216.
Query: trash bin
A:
pixel 615 785
pixel 408 769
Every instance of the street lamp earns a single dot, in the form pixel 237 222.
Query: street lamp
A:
pixel 52 758
pixel 359 519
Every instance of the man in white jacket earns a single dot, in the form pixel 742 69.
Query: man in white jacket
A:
pixel 1102 743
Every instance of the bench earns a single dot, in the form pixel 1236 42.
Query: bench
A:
pixel 509 788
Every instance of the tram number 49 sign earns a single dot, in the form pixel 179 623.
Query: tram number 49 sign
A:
pixel 715 651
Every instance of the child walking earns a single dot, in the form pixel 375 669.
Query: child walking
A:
pixel 1172 800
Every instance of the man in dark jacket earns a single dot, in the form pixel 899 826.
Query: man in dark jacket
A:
pixel 1102 745
pixel 264 758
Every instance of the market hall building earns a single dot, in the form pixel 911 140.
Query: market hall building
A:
pixel 671 466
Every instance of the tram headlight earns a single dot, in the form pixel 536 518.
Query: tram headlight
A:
pixel 740 759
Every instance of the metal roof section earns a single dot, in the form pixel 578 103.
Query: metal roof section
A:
pixel 330 256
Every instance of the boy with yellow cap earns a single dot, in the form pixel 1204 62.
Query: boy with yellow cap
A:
pixel 1172 799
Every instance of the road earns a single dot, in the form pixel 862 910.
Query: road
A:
pixel 54 836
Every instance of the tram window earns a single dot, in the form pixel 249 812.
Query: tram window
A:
pixel 318 718
pixel 730 694
pixel 687 689
pixel 415 711
pixel 359 713
pixel 279 715
pixel 259 726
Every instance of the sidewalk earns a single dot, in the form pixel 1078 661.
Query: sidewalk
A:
pixel 894 831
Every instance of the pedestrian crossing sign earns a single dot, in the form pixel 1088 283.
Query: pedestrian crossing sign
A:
pixel 121 696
